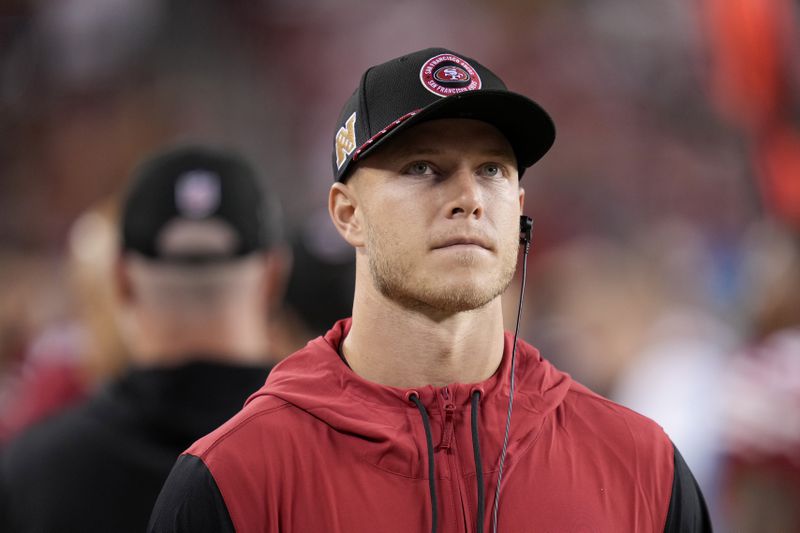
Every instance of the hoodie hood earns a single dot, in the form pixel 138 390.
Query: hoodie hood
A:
pixel 385 424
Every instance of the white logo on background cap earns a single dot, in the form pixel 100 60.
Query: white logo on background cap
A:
pixel 197 194
pixel 448 74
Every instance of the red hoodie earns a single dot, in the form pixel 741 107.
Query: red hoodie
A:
pixel 318 448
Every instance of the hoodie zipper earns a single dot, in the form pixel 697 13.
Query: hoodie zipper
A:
pixel 451 449
pixel 447 427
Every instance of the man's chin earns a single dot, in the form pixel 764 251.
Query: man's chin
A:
pixel 442 291
pixel 444 300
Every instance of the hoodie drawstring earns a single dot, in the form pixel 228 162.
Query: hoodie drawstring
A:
pixel 431 467
pixel 476 450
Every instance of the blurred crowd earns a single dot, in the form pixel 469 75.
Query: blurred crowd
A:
pixel 665 268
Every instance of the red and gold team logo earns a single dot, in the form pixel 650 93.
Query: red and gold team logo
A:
pixel 447 74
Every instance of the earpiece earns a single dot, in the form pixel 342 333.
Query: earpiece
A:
pixel 525 227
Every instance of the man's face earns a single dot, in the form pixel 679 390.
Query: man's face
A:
pixel 440 206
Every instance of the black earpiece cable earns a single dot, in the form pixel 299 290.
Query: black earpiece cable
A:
pixel 526 225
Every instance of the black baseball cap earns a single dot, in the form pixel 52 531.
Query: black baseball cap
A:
pixel 431 84
pixel 195 204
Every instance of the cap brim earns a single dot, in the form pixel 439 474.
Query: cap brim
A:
pixel 529 129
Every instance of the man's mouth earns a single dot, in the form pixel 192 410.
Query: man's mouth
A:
pixel 464 241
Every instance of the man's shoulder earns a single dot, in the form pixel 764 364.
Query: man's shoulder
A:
pixel 270 415
pixel 576 404
pixel 265 418
pixel 609 419
pixel 251 447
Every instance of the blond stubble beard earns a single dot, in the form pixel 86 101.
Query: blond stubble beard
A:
pixel 391 275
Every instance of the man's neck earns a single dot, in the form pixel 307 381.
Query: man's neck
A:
pixel 164 342
pixel 391 345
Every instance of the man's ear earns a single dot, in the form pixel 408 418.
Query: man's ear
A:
pixel 123 286
pixel 345 213
pixel 521 199
pixel 277 266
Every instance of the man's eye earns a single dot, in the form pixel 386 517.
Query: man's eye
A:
pixel 419 168
pixel 492 170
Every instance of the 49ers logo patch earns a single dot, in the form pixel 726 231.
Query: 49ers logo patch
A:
pixel 451 74
pixel 447 74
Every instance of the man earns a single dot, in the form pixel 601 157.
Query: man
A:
pixel 394 420
pixel 200 265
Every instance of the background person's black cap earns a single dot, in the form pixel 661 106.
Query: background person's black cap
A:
pixel 195 204
pixel 431 84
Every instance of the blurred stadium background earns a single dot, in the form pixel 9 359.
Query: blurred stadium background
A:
pixel 664 270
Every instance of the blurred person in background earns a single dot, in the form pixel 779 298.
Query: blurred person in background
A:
pixel 760 417
pixel 93 249
pixel 684 346
pixel 754 82
pixel 589 301
pixel 636 322
pixel 320 287
pixel 67 358
pixel 40 357
pixel 200 267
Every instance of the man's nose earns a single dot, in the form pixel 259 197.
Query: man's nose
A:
pixel 466 199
